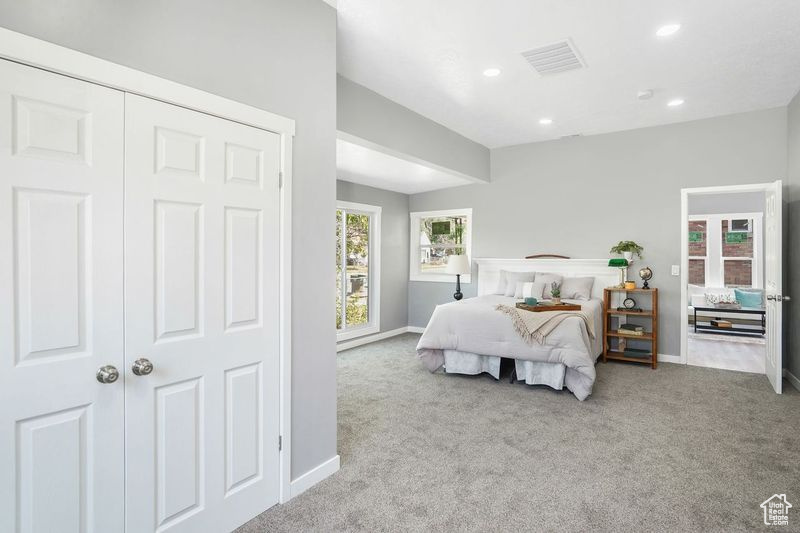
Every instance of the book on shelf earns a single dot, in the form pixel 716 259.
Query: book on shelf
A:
pixel 721 323
pixel 629 333
pixel 631 327
pixel 636 352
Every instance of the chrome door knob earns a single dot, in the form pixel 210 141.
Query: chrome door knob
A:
pixel 107 374
pixel 787 298
pixel 142 367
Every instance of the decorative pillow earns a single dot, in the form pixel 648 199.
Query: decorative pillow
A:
pixel 512 278
pixel 548 280
pixel 529 289
pixel 749 298
pixel 697 300
pixel 577 288
pixel 720 298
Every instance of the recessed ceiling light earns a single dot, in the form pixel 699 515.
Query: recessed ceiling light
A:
pixel 491 72
pixel 676 102
pixel 667 29
pixel 545 121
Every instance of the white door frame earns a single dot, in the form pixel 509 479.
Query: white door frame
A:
pixel 685 193
pixel 60 60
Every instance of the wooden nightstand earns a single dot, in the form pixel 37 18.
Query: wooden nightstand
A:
pixel 612 338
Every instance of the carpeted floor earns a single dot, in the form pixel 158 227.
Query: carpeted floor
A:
pixel 673 449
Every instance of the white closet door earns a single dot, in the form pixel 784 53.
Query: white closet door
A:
pixel 61 431
pixel 201 304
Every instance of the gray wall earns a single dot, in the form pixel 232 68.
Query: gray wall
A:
pixel 370 116
pixel 793 181
pixel 580 196
pixel 710 204
pixel 279 55
pixel 394 248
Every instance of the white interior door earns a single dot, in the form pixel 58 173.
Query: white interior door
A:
pixel 201 304
pixel 61 181
pixel 773 284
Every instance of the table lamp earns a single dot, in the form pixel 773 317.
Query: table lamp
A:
pixel 458 265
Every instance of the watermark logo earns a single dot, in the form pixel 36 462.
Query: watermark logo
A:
pixel 776 510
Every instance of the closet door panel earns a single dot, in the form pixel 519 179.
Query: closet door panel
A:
pixel 202 222
pixel 61 187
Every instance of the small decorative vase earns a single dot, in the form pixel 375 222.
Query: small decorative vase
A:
pixel 628 256
pixel 556 300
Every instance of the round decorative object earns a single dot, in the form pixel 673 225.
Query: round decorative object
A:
pixel 629 303
pixel 646 274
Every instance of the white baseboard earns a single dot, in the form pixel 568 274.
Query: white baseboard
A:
pixel 314 476
pixel 664 358
pixel 415 329
pixel 346 345
pixel 791 378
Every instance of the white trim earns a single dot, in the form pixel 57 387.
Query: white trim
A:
pixel 665 358
pixel 416 329
pixel 285 302
pixel 60 60
pixel 315 475
pixel 725 189
pixel 792 378
pixel 414 273
pixel 372 338
pixel 374 276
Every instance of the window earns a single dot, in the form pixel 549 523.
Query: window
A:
pixel 436 235
pixel 357 270
pixel 725 250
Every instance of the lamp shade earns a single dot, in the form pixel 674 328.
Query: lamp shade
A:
pixel 458 264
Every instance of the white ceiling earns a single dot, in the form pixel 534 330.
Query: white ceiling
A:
pixel 367 166
pixel 730 56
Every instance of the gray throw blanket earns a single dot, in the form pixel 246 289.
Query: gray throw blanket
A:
pixel 536 326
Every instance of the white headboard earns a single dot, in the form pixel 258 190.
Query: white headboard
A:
pixel 605 276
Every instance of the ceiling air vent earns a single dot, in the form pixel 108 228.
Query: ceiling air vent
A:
pixel 554 58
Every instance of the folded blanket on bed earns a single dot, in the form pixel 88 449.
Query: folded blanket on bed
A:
pixel 537 326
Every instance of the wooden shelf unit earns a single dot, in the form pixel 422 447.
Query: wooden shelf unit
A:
pixel 609 333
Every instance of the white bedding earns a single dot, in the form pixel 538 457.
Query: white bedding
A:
pixel 475 326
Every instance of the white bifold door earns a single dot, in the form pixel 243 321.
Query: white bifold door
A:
pixel 138 312
pixel 201 305
pixel 61 187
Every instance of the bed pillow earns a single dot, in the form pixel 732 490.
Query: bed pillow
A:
pixel 512 278
pixel 577 288
pixel 548 280
pixel 748 298
pixel 529 289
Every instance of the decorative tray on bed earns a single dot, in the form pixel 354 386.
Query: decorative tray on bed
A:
pixel 548 306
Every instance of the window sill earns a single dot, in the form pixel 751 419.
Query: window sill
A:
pixel 357 332
pixel 440 278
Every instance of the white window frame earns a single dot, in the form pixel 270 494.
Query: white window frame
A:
pixel 414 272
pixel 715 261
pixel 374 274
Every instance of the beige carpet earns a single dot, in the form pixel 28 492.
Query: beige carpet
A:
pixel 673 449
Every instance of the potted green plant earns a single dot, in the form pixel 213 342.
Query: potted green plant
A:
pixel 555 291
pixel 628 249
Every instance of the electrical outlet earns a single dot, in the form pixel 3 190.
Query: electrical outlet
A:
pixel 676 270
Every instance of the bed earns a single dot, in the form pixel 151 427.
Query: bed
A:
pixel 471 337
